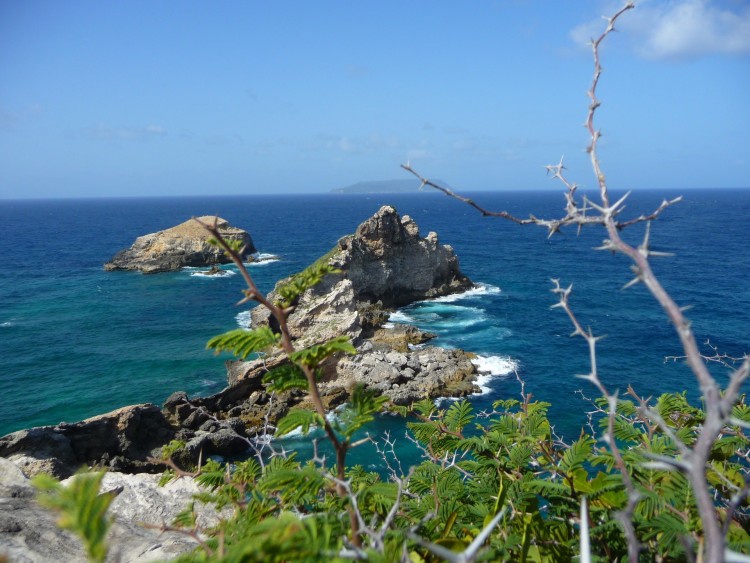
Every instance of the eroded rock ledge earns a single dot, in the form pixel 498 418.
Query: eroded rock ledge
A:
pixel 174 248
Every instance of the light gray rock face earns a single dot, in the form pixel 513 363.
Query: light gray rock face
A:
pixel 405 377
pixel 28 532
pixel 386 262
pixel 174 248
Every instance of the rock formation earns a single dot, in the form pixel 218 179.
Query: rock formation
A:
pixel 29 533
pixel 407 377
pixel 126 439
pixel 122 440
pixel 384 264
pixel 184 245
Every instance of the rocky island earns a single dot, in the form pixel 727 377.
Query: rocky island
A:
pixel 385 264
pixel 186 244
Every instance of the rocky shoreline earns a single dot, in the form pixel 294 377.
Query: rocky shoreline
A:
pixel 385 264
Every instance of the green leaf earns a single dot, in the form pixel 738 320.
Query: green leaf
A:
pixel 285 377
pixel 212 475
pixel 459 415
pixel 82 509
pixel 168 450
pixel 186 518
pixel 295 286
pixel 577 454
pixel 314 355
pixel 243 342
pixel 362 407
pixel 298 418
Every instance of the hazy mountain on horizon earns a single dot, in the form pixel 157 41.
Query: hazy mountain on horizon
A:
pixel 384 187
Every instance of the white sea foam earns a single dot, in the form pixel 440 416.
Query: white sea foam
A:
pixel 6 324
pixel 206 274
pixel 490 367
pixel 262 259
pixel 331 417
pixel 399 317
pixel 478 290
pixel 243 319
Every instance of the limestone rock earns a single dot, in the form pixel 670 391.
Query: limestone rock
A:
pixel 28 532
pixel 385 262
pixel 405 377
pixel 400 337
pixel 184 245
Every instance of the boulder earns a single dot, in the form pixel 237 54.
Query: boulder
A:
pixel 186 244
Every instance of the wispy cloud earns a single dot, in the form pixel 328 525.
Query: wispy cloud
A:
pixel 682 29
pixel 11 119
pixel 103 132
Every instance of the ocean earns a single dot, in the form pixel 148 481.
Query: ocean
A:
pixel 76 341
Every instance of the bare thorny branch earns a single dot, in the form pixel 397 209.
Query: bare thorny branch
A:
pixel 718 404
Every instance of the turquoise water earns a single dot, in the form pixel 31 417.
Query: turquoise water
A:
pixel 76 341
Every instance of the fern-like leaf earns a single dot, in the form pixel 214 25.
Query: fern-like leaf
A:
pixel 303 419
pixel 285 377
pixel 304 280
pixel 243 342
pixel 314 355
pixel 82 509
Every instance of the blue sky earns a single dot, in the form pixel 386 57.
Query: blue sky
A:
pixel 184 98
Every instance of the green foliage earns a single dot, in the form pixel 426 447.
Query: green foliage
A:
pixel 362 408
pixel 82 509
pixel 235 245
pixel 285 377
pixel 295 286
pixel 314 355
pixel 172 448
pixel 242 342
pixel 300 418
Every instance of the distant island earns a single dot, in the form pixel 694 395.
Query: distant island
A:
pixel 383 187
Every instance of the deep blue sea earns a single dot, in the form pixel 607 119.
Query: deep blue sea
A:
pixel 76 341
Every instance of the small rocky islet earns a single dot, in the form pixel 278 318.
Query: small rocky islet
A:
pixel 184 245
pixel 385 264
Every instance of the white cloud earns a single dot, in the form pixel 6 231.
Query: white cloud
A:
pixel 680 29
pixel 103 132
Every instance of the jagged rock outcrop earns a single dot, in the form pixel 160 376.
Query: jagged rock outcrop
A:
pixel 384 262
pixel 122 440
pixel 399 337
pixel 29 533
pixel 387 261
pixel 184 245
